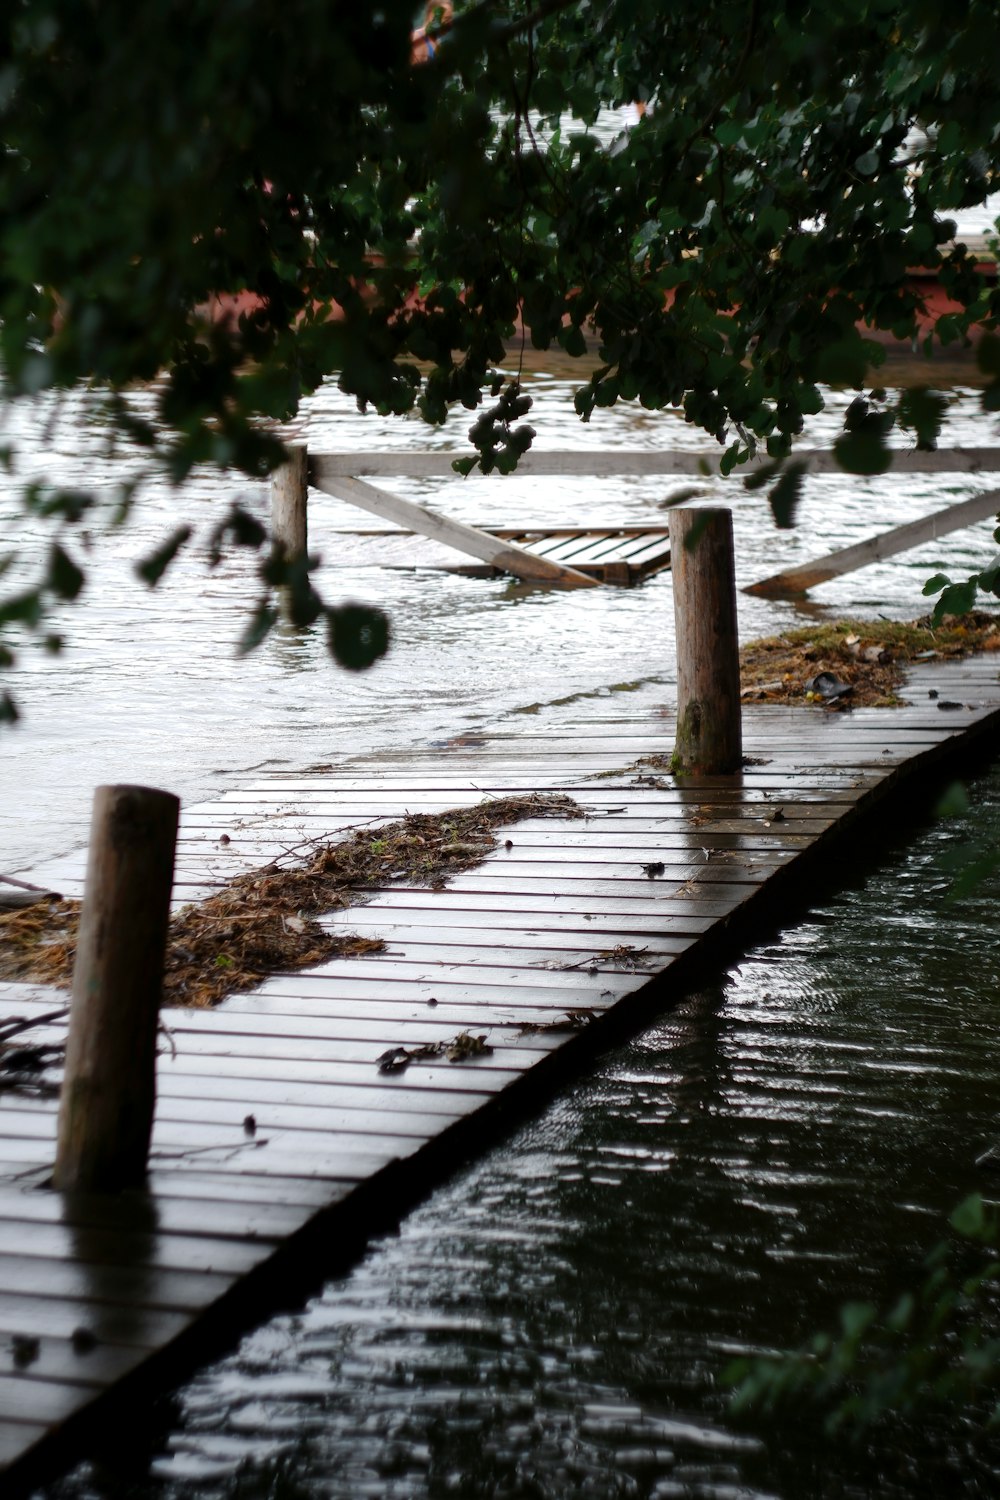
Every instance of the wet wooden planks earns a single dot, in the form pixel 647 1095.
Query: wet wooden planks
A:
pixel 273 1109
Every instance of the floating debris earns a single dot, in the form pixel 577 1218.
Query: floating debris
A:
pixel 459 1049
pixel 264 922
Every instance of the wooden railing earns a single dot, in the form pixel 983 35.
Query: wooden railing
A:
pixel 346 476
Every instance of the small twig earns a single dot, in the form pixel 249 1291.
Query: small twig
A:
pixel 162 1026
pixel 26 885
pixel 17 1024
pixel 200 1150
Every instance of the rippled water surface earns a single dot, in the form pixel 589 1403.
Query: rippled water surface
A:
pixel 554 1322
pixel 149 688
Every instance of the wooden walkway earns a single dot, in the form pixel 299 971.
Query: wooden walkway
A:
pixel 577 929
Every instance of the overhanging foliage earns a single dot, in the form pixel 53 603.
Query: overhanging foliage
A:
pixel 393 225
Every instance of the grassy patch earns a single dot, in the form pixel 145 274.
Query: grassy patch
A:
pixel 868 655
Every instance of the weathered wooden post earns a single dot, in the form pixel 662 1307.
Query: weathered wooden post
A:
pixel 289 502
pixel 109 1087
pixel 709 729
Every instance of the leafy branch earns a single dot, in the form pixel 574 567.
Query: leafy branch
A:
pixel 932 1345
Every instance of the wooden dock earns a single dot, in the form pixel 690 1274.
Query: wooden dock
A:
pixel 280 1146
pixel 622 555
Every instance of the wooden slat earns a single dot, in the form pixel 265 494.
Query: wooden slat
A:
pixel 94 1368
pixel 120 1247
pixel 633 461
pixel 268 1222
pixel 498 553
pixel 622 549
pixel 167 1289
pixel 643 549
pixel 33 1401
pixel 17 1438
pixel 573 551
pixel 887 544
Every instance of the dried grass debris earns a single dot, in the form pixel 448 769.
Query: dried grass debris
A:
pixel 265 921
pixel 867 657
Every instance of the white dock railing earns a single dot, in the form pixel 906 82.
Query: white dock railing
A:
pixel 346 476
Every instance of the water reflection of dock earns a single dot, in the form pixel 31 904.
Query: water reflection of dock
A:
pixel 579 928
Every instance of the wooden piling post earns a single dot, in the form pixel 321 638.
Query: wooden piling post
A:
pixel 709 728
pixel 289 502
pixel 109 1088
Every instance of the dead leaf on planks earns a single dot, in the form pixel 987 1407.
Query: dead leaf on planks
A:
pixel 460 1049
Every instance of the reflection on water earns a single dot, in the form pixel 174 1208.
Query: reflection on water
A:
pixel 149 689
pixel 554 1322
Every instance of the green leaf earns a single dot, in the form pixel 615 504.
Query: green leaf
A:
pixel 152 568
pixel 786 494
pixel 864 452
pixel 844 362
pixel 759 477
pixel 240 527
pixel 359 635
pixel 902 1314
pixel 988 580
pixel 969 1218
pixel 65 579
pixel 856 1318
pixel 573 341
pixel 957 599
pixel 954 802
pixel 936 584
pixel 261 623
pixel 24 608
pixel 988 354
pixel 923 410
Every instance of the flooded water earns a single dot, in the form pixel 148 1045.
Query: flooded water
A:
pixel 555 1321
pixel 149 688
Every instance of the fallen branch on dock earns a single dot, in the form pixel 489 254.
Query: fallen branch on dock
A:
pixel 265 921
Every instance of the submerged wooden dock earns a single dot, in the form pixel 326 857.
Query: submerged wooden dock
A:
pixel 279 1144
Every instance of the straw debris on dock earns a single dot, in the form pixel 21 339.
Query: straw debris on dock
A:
pixel 265 922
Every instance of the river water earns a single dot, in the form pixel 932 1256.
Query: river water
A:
pixel 554 1321
pixel 149 689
